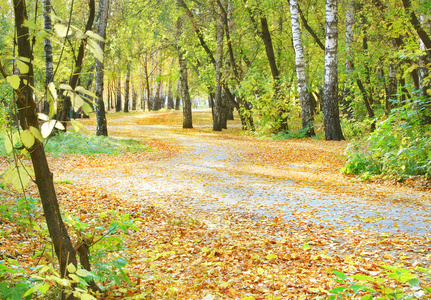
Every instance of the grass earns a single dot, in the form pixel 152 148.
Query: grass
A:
pixel 78 143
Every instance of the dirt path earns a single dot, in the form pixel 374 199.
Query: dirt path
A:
pixel 286 180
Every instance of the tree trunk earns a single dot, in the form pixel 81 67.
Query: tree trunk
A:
pixel 304 97
pixel 127 89
pixel 170 92
pixel 134 98
pixel 348 94
pixel 147 82
pixel 330 98
pixel 178 98
pixel 267 40
pixel 425 85
pixel 118 98
pixel 218 100
pixel 64 249
pixel 141 89
pixel 101 128
pixel 79 60
pixel 49 69
pixel 187 105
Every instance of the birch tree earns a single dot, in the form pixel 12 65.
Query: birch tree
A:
pixel 304 96
pixel 219 112
pixel 187 105
pixel 47 45
pixel 101 128
pixel 331 112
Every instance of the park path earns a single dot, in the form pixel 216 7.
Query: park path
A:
pixel 293 181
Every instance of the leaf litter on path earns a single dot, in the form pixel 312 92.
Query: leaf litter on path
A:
pixel 226 216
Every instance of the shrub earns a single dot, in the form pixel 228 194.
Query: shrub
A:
pixel 399 147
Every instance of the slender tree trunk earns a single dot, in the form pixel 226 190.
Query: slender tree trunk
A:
pixel 391 96
pixel 64 249
pixel 304 96
pixel 425 85
pixel 178 98
pixel 141 89
pixel 170 92
pixel 218 100
pixel 79 60
pixel 348 94
pixel 49 69
pixel 101 128
pixel 266 37
pixel 118 100
pixel 187 105
pixel 157 104
pixel 147 81
pixel 127 89
pixel 134 98
pixel 330 99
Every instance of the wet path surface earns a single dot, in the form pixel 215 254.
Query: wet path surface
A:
pixel 209 173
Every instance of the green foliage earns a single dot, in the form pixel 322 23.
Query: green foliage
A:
pixel 14 281
pixel 106 242
pixel 78 143
pixel 399 147
pixel 397 283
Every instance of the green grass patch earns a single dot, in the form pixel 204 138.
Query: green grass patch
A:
pixel 78 143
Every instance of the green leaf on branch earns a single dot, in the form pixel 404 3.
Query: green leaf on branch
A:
pixel 14 81
pixel 27 138
pixel 22 66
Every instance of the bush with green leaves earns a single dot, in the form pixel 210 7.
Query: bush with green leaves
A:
pixel 396 283
pixel 399 147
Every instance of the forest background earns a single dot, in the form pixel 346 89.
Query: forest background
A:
pixel 336 69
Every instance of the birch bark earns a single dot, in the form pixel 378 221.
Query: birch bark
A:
pixel 331 112
pixel 101 127
pixel 304 96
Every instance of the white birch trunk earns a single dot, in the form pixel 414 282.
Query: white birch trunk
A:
pixel 101 128
pixel 330 98
pixel 304 96
pixel 47 44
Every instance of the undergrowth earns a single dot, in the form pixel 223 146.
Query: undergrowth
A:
pixel 398 148
pixel 78 143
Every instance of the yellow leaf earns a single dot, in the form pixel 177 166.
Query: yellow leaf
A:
pixel 13 81
pixel 22 66
pixel 52 91
pixel 18 177
pixel 71 268
pixel 27 138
